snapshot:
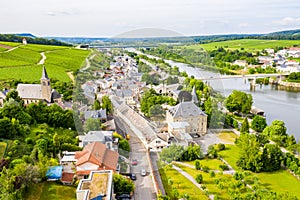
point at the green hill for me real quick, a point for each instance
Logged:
(21, 62)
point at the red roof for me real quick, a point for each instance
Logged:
(67, 177)
(98, 154)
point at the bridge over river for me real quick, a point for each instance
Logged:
(248, 76)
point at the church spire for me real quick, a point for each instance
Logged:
(194, 96)
(44, 74)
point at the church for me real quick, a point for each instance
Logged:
(33, 93)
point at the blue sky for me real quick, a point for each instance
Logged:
(93, 18)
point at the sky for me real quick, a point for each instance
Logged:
(109, 18)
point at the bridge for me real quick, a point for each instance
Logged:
(249, 76)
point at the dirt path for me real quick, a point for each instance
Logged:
(88, 63)
(42, 61)
(70, 74)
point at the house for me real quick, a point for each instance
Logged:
(33, 93)
(105, 137)
(96, 114)
(95, 156)
(99, 185)
(24, 41)
(270, 51)
(241, 63)
(157, 144)
(68, 163)
(294, 52)
(189, 112)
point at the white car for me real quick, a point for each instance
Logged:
(143, 172)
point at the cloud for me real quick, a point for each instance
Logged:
(243, 25)
(287, 21)
(62, 13)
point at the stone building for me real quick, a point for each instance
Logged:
(33, 93)
(190, 113)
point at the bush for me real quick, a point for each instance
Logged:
(212, 174)
(199, 178)
(197, 164)
(220, 146)
(28, 141)
(224, 167)
(205, 169)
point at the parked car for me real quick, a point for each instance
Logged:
(123, 197)
(133, 177)
(143, 172)
(134, 162)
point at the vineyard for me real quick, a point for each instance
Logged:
(22, 63)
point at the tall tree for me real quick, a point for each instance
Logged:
(239, 101)
(245, 126)
(107, 104)
(258, 123)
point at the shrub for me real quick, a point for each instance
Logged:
(224, 167)
(199, 178)
(205, 169)
(197, 164)
(212, 174)
(220, 146)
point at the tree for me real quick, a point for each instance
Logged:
(258, 123)
(107, 104)
(156, 111)
(250, 154)
(122, 184)
(271, 157)
(245, 126)
(97, 105)
(199, 178)
(92, 124)
(192, 152)
(13, 94)
(197, 164)
(239, 101)
(173, 153)
(277, 132)
(124, 145)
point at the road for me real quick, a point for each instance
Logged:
(144, 188)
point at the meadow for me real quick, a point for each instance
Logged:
(50, 190)
(251, 45)
(22, 62)
(280, 181)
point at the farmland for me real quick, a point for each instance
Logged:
(22, 62)
(250, 45)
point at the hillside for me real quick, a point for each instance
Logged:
(24, 62)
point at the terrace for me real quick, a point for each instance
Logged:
(99, 184)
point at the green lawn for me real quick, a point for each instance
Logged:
(211, 163)
(281, 181)
(231, 155)
(50, 190)
(2, 148)
(210, 184)
(227, 136)
(248, 44)
(183, 185)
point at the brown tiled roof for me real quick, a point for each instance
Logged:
(98, 154)
(67, 177)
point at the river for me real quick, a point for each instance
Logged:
(277, 104)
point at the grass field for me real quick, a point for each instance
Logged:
(183, 185)
(209, 183)
(2, 148)
(21, 63)
(50, 190)
(227, 136)
(210, 163)
(281, 181)
(251, 45)
(12, 44)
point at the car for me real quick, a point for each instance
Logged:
(133, 177)
(143, 172)
(123, 197)
(134, 162)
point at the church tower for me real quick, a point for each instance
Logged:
(194, 96)
(45, 86)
